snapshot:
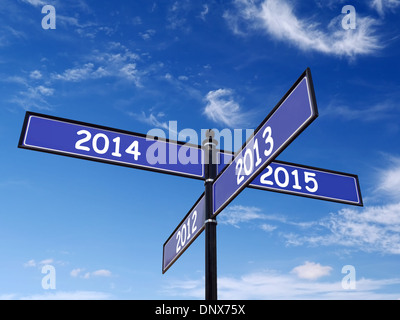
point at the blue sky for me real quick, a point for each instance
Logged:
(136, 65)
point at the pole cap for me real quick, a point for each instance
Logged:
(209, 141)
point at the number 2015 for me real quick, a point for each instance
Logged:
(280, 176)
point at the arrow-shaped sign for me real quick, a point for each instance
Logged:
(296, 110)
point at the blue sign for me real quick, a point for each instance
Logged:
(87, 141)
(305, 181)
(186, 232)
(287, 120)
(309, 182)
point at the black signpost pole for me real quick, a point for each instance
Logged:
(210, 167)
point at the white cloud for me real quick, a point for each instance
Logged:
(30, 263)
(371, 229)
(381, 6)
(118, 62)
(204, 13)
(234, 215)
(75, 272)
(389, 179)
(269, 285)
(222, 108)
(68, 295)
(237, 214)
(374, 112)
(35, 3)
(267, 227)
(130, 72)
(36, 74)
(33, 97)
(177, 16)
(311, 271)
(101, 273)
(149, 33)
(77, 74)
(98, 273)
(46, 261)
(45, 91)
(278, 19)
(151, 119)
(7, 296)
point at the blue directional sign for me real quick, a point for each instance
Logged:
(187, 231)
(305, 181)
(309, 182)
(87, 141)
(296, 110)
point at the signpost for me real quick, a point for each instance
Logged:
(296, 110)
(252, 166)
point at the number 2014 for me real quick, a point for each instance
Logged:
(132, 149)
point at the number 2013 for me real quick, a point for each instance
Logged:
(246, 165)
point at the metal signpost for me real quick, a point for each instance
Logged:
(252, 166)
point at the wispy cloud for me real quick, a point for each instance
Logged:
(79, 272)
(36, 89)
(374, 228)
(382, 6)
(374, 112)
(238, 215)
(279, 20)
(389, 178)
(35, 3)
(33, 95)
(33, 263)
(205, 11)
(66, 295)
(222, 108)
(270, 284)
(177, 16)
(117, 62)
(152, 119)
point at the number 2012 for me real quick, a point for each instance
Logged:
(132, 149)
(186, 231)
